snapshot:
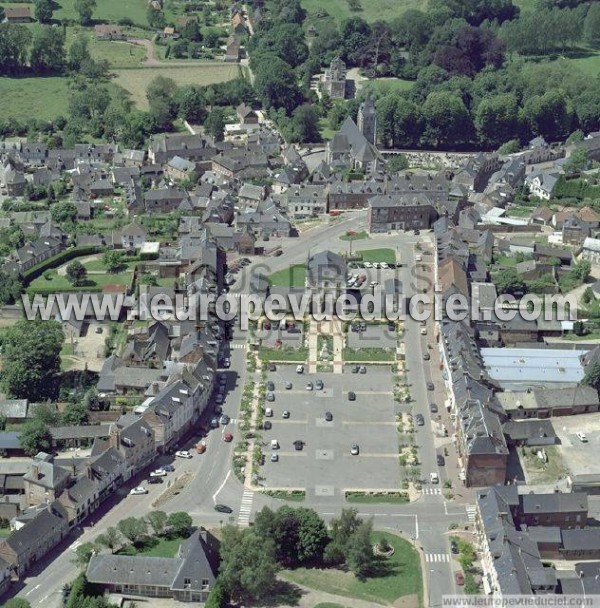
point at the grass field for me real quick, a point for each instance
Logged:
(107, 10)
(59, 283)
(44, 98)
(372, 10)
(294, 276)
(377, 255)
(399, 576)
(137, 80)
(386, 86)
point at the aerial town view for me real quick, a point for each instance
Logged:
(299, 303)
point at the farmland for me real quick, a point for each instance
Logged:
(46, 98)
(372, 10)
(135, 81)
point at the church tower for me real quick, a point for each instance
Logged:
(367, 120)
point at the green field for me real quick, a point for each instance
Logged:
(42, 98)
(372, 10)
(58, 283)
(377, 255)
(136, 80)
(108, 10)
(386, 86)
(294, 276)
(399, 576)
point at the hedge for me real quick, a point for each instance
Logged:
(57, 260)
(46, 291)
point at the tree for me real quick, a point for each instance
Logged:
(180, 523)
(112, 261)
(306, 124)
(509, 282)
(76, 272)
(217, 598)
(549, 115)
(155, 18)
(10, 288)
(312, 536)
(157, 521)
(83, 554)
(592, 375)
(91, 400)
(578, 161)
(359, 550)
(398, 162)
(78, 53)
(275, 82)
(160, 96)
(75, 414)
(47, 50)
(17, 602)
(342, 529)
(63, 212)
(35, 437)
(190, 102)
(111, 539)
(85, 10)
(132, 528)
(591, 25)
(214, 125)
(582, 270)
(248, 566)
(14, 48)
(447, 119)
(497, 119)
(43, 10)
(31, 359)
(191, 31)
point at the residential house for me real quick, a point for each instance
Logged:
(575, 231)
(187, 577)
(133, 438)
(250, 196)
(400, 212)
(36, 252)
(15, 410)
(545, 253)
(246, 115)
(267, 220)
(164, 200)
(477, 170)
(179, 168)
(326, 270)
(45, 480)
(305, 200)
(18, 14)
(238, 25)
(542, 183)
(353, 195)
(191, 147)
(556, 509)
(232, 49)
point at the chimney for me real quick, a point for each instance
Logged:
(35, 471)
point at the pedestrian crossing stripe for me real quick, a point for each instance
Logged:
(432, 491)
(436, 557)
(471, 512)
(238, 346)
(246, 508)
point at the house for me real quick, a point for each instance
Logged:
(132, 236)
(305, 200)
(36, 252)
(251, 196)
(106, 31)
(19, 14)
(191, 147)
(246, 115)
(164, 200)
(477, 170)
(45, 480)
(575, 231)
(334, 80)
(232, 49)
(542, 215)
(15, 410)
(542, 183)
(545, 253)
(556, 509)
(238, 25)
(266, 221)
(169, 32)
(326, 269)
(187, 577)
(29, 544)
(387, 212)
(180, 168)
(353, 195)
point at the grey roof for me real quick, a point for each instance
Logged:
(9, 440)
(133, 570)
(50, 475)
(14, 408)
(556, 502)
(80, 432)
(584, 539)
(529, 429)
(544, 534)
(40, 526)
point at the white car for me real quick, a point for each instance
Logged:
(376, 265)
(383, 265)
(434, 478)
(582, 437)
(368, 265)
(158, 473)
(183, 454)
(354, 450)
(300, 369)
(137, 491)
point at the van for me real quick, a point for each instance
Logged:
(269, 412)
(274, 444)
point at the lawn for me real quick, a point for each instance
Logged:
(328, 605)
(400, 498)
(386, 86)
(543, 472)
(294, 276)
(375, 355)
(294, 355)
(57, 283)
(118, 54)
(372, 10)
(377, 255)
(325, 130)
(166, 547)
(46, 98)
(107, 10)
(136, 80)
(400, 576)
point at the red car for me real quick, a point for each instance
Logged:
(227, 437)
(459, 577)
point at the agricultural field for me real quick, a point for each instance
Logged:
(372, 10)
(46, 97)
(135, 81)
(107, 11)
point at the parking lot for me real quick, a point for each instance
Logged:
(579, 457)
(325, 465)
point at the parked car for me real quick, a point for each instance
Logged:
(459, 577)
(169, 468)
(354, 450)
(226, 362)
(441, 461)
(225, 419)
(267, 426)
(272, 367)
(426, 356)
(183, 454)
(288, 386)
(355, 369)
(419, 420)
(433, 408)
(362, 369)
(137, 491)
(309, 386)
(227, 437)
(319, 385)
(274, 457)
(270, 385)
(328, 416)
(270, 397)
(299, 369)
(430, 386)
(351, 396)
(434, 478)
(220, 399)
(214, 423)
(153, 480)
(158, 473)
(298, 444)
(201, 447)
(223, 509)
(218, 409)
(454, 547)
(285, 414)
(582, 437)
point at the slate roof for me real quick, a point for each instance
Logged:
(557, 502)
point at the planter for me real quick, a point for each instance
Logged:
(377, 551)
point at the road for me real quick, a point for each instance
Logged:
(426, 520)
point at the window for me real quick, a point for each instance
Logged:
(187, 582)
(205, 583)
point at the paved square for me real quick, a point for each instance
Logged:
(325, 465)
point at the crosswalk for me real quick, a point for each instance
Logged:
(238, 345)
(437, 557)
(245, 508)
(436, 491)
(471, 512)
